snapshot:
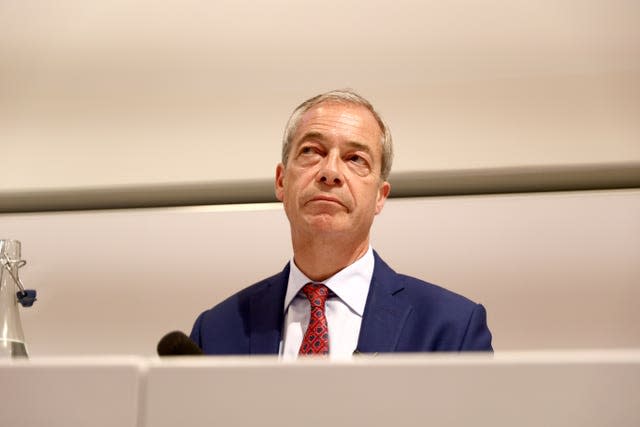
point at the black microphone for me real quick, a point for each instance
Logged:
(177, 343)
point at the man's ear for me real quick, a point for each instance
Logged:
(279, 184)
(383, 193)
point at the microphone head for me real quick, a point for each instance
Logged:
(177, 343)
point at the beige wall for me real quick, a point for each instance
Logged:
(107, 93)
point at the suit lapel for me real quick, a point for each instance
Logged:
(266, 315)
(386, 311)
(385, 314)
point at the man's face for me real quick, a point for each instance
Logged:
(331, 185)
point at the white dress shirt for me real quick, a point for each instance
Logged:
(344, 308)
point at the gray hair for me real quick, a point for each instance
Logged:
(345, 96)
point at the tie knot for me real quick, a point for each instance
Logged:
(317, 294)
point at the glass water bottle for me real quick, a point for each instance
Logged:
(12, 342)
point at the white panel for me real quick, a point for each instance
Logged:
(70, 393)
(581, 389)
(555, 270)
(575, 390)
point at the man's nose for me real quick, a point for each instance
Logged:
(330, 172)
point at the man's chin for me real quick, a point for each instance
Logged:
(327, 223)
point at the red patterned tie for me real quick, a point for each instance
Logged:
(316, 339)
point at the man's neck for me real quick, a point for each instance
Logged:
(319, 260)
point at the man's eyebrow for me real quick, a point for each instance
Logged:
(351, 144)
(311, 135)
(359, 146)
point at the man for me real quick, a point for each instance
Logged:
(337, 296)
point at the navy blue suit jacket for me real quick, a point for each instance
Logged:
(402, 314)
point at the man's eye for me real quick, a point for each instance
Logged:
(306, 150)
(359, 160)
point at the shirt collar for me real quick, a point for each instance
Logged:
(351, 284)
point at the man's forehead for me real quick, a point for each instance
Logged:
(331, 116)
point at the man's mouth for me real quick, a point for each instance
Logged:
(327, 199)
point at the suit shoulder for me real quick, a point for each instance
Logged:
(226, 327)
(426, 293)
(437, 318)
(455, 322)
(422, 289)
